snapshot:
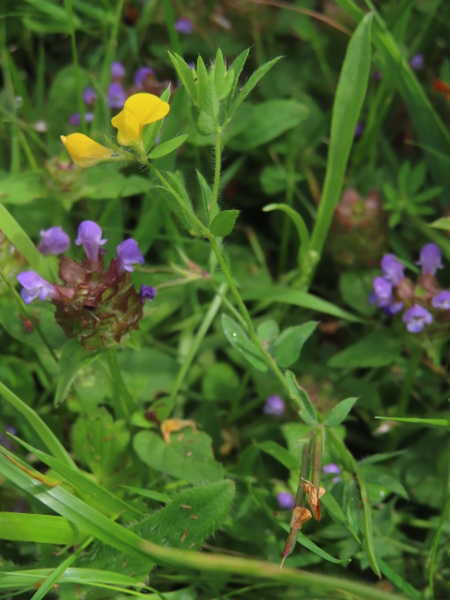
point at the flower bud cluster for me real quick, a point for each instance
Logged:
(423, 301)
(97, 305)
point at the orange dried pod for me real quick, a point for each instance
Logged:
(299, 516)
(314, 496)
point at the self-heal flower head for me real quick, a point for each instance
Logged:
(34, 286)
(128, 254)
(147, 292)
(141, 76)
(430, 259)
(116, 95)
(90, 237)
(392, 268)
(274, 406)
(184, 26)
(139, 110)
(117, 70)
(417, 62)
(54, 241)
(416, 318)
(89, 96)
(442, 300)
(286, 500)
(84, 151)
(382, 292)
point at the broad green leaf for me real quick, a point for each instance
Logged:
(253, 81)
(239, 340)
(41, 529)
(22, 188)
(223, 224)
(220, 382)
(167, 147)
(73, 358)
(290, 343)
(377, 349)
(282, 455)
(301, 398)
(338, 413)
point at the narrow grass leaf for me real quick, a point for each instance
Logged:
(41, 529)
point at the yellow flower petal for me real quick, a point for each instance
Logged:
(129, 129)
(139, 110)
(84, 151)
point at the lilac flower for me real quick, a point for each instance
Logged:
(442, 300)
(382, 292)
(417, 61)
(75, 119)
(34, 286)
(430, 259)
(117, 70)
(359, 130)
(128, 253)
(184, 26)
(416, 318)
(116, 95)
(141, 76)
(286, 500)
(332, 468)
(89, 96)
(274, 406)
(392, 268)
(54, 241)
(147, 293)
(90, 237)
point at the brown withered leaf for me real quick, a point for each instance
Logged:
(299, 516)
(171, 425)
(313, 497)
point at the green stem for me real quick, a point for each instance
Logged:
(76, 65)
(408, 380)
(125, 405)
(215, 196)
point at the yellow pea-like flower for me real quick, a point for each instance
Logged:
(139, 110)
(84, 151)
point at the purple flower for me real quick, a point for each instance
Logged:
(392, 268)
(377, 75)
(75, 119)
(416, 318)
(128, 253)
(382, 292)
(393, 308)
(117, 70)
(332, 469)
(34, 286)
(359, 130)
(286, 500)
(417, 61)
(274, 406)
(116, 95)
(141, 76)
(90, 237)
(54, 241)
(184, 26)
(147, 293)
(89, 96)
(430, 259)
(442, 300)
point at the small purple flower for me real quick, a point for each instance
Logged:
(416, 318)
(393, 308)
(430, 259)
(90, 237)
(147, 293)
(286, 500)
(117, 70)
(89, 96)
(274, 406)
(184, 26)
(34, 286)
(417, 62)
(54, 241)
(377, 75)
(75, 119)
(442, 300)
(128, 253)
(359, 130)
(382, 292)
(116, 95)
(332, 469)
(141, 76)
(392, 268)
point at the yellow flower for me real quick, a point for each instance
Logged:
(139, 110)
(84, 151)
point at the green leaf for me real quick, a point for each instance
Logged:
(339, 412)
(202, 81)
(207, 120)
(399, 582)
(301, 398)
(239, 340)
(290, 343)
(188, 457)
(253, 81)
(378, 349)
(184, 73)
(223, 224)
(419, 421)
(22, 188)
(41, 529)
(167, 147)
(282, 455)
(206, 192)
(300, 225)
(73, 358)
(355, 290)
(442, 223)
(220, 382)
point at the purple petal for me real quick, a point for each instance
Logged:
(54, 241)
(90, 237)
(89, 96)
(116, 95)
(147, 293)
(141, 76)
(331, 468)
(416, 318)
(417, 62)
(128, 253)
(392, 268)
(430, 259)
(117, 70)
(274, 406)
(359, 130)
(34, 286)
(286, 500)
(442, 300)
(184, 26)
(382, 290)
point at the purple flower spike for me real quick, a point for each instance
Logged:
(75, 119)
(90, 237)
(116, 95)
(34, 286)
(141, 76)
(117, 70)
(89, 96)
(430, 259)
(184, 26)
(392, 268)
(147, 293)
(442, 300)
(416, 318)
(382, 292)
(54, 241)
(274, 406)
(286, 500)
(128, 253)
(417, 62)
